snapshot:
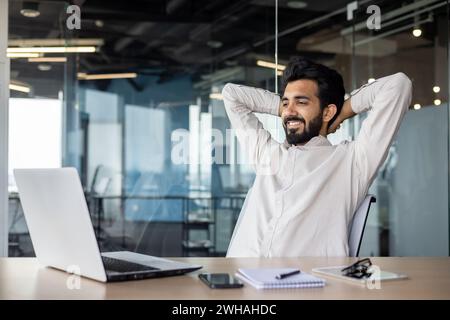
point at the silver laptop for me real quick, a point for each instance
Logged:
(63, 237)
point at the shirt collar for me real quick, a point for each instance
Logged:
(317, 141)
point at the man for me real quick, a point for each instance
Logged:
(306, 189)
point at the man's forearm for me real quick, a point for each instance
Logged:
(345, 113)
(347, 110)
(241, 103)
(364, 98)
(240, 98)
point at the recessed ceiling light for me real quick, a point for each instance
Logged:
(30, 9)
(417, 32)
(44, 67)
(437, 102)
(74, 49)
(22, 55)
(99, 23)
(48, 59)
(20, 88)
(436, 89)
(417, 106)
(216, 96)
(296, 4)
(371, 80)
(268, 64)
(84, 76)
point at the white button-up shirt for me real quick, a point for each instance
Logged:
(304, 197)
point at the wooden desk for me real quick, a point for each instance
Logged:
(23, 278)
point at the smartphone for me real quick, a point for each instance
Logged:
(220, 280)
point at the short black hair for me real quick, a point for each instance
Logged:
(329, 81)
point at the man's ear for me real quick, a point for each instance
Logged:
(329, 112)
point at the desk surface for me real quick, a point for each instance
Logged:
(23, 278)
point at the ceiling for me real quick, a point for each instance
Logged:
(197, 37)
(167, 35)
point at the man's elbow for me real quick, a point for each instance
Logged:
(228, 92)
(403, 81)
(404, 85)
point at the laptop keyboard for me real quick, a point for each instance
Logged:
(118, 265)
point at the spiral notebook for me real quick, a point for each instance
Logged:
(265, 278)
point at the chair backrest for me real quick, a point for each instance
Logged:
(358, 224)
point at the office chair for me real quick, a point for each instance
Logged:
(358, 225)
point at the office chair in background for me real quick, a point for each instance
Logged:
(358, 225)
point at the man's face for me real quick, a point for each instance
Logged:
(301, 113)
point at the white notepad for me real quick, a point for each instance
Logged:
(265, 278)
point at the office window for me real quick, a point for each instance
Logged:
(37, 106)
(35, 127)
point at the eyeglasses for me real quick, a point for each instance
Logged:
(359, 270)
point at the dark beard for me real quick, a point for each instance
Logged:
(309, 132)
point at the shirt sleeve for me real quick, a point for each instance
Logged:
(386, 99)
(241, 103)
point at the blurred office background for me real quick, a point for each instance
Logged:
(145, 93)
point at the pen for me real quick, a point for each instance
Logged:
(287, 274)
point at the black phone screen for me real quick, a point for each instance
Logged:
(220, 280)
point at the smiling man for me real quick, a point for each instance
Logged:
(306, 189)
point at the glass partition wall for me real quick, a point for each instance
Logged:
(38, 100)
(133, 101)
(411, 214)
